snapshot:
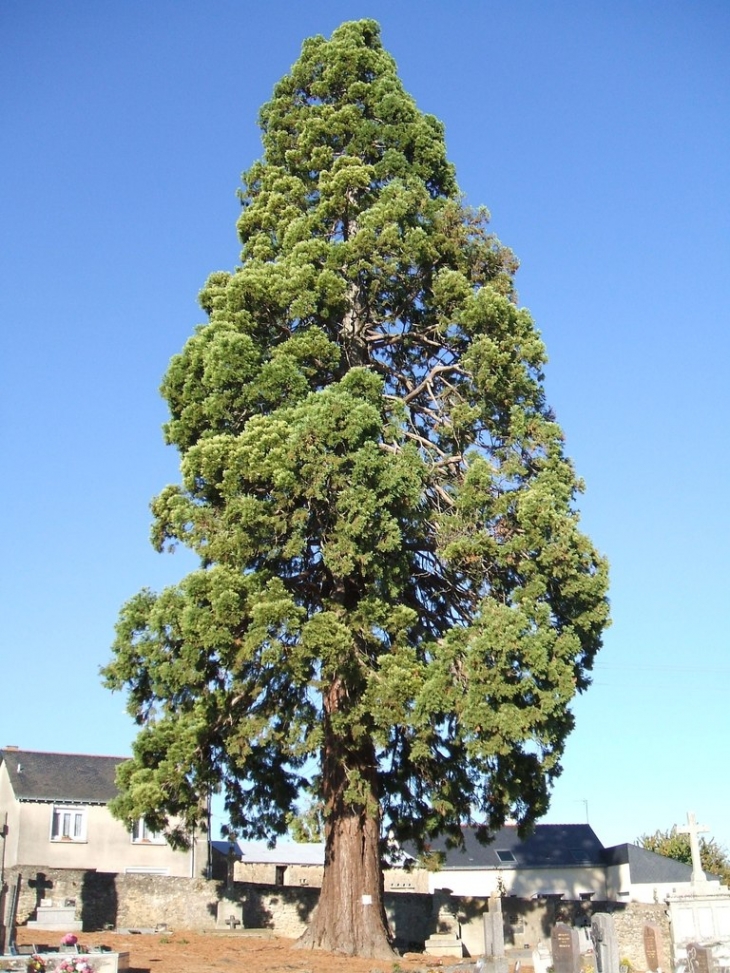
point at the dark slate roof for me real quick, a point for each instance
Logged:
(646, 867)
(76, 778)
(549, 846)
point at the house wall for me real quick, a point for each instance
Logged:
(618, 881)
(620, 887)
(9, 807)
(522, 882)
(571, 882)
(108, 845)
(406, 880)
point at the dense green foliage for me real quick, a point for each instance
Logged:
(392, 578)
(713, 857)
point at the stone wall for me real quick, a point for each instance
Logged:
(271, 873)
(530, 921)
(265, 873)
(109, 900)
(630, 924)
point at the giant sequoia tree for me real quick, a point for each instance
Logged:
(394, 605)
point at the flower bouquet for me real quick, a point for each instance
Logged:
(69, 939)
(74, 965)
(35, 964)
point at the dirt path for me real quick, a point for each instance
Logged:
(191, 952)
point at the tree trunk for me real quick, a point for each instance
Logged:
(350, 917)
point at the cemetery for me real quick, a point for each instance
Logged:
(555, 901)
(392, 605)
(685, 933)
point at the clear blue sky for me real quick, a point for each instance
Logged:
(598, 136)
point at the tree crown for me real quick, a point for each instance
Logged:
(393, 582)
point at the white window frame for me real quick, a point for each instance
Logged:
(69, 823)
(142, 834)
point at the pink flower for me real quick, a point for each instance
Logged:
(69, 939)
(74, 966)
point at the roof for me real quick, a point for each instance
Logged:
(549, 846)
(646, 867)
(284, 853)
(76, 778)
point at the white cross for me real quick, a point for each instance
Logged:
(693, 830)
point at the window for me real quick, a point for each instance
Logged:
(505, 856)
(68, 824)
(142, 834)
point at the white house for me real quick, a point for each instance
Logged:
(565, 860)
(556, 859)
(56, 814)
(634, 874)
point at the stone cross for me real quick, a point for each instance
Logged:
(605, 947)
(693, 830)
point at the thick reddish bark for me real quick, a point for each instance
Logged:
(350, 917)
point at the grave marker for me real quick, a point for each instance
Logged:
(445, 940)
(229, 914)
(605, 947)
(699, 959)
(693, 830)
(566, 951)
(653, 950)
(494, 928)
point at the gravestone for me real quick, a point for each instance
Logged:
(49, 916)
(605, 947)
(699, 918)
(699, 959)
(229, 914)
(542, 959)
(494, 928)
(446, 938)
(566, 948)
(12, 915)
(653, 948)
(495, 960)
(693, 829)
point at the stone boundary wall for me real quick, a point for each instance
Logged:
(630, 932)
(530, 921)
(107, 900)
